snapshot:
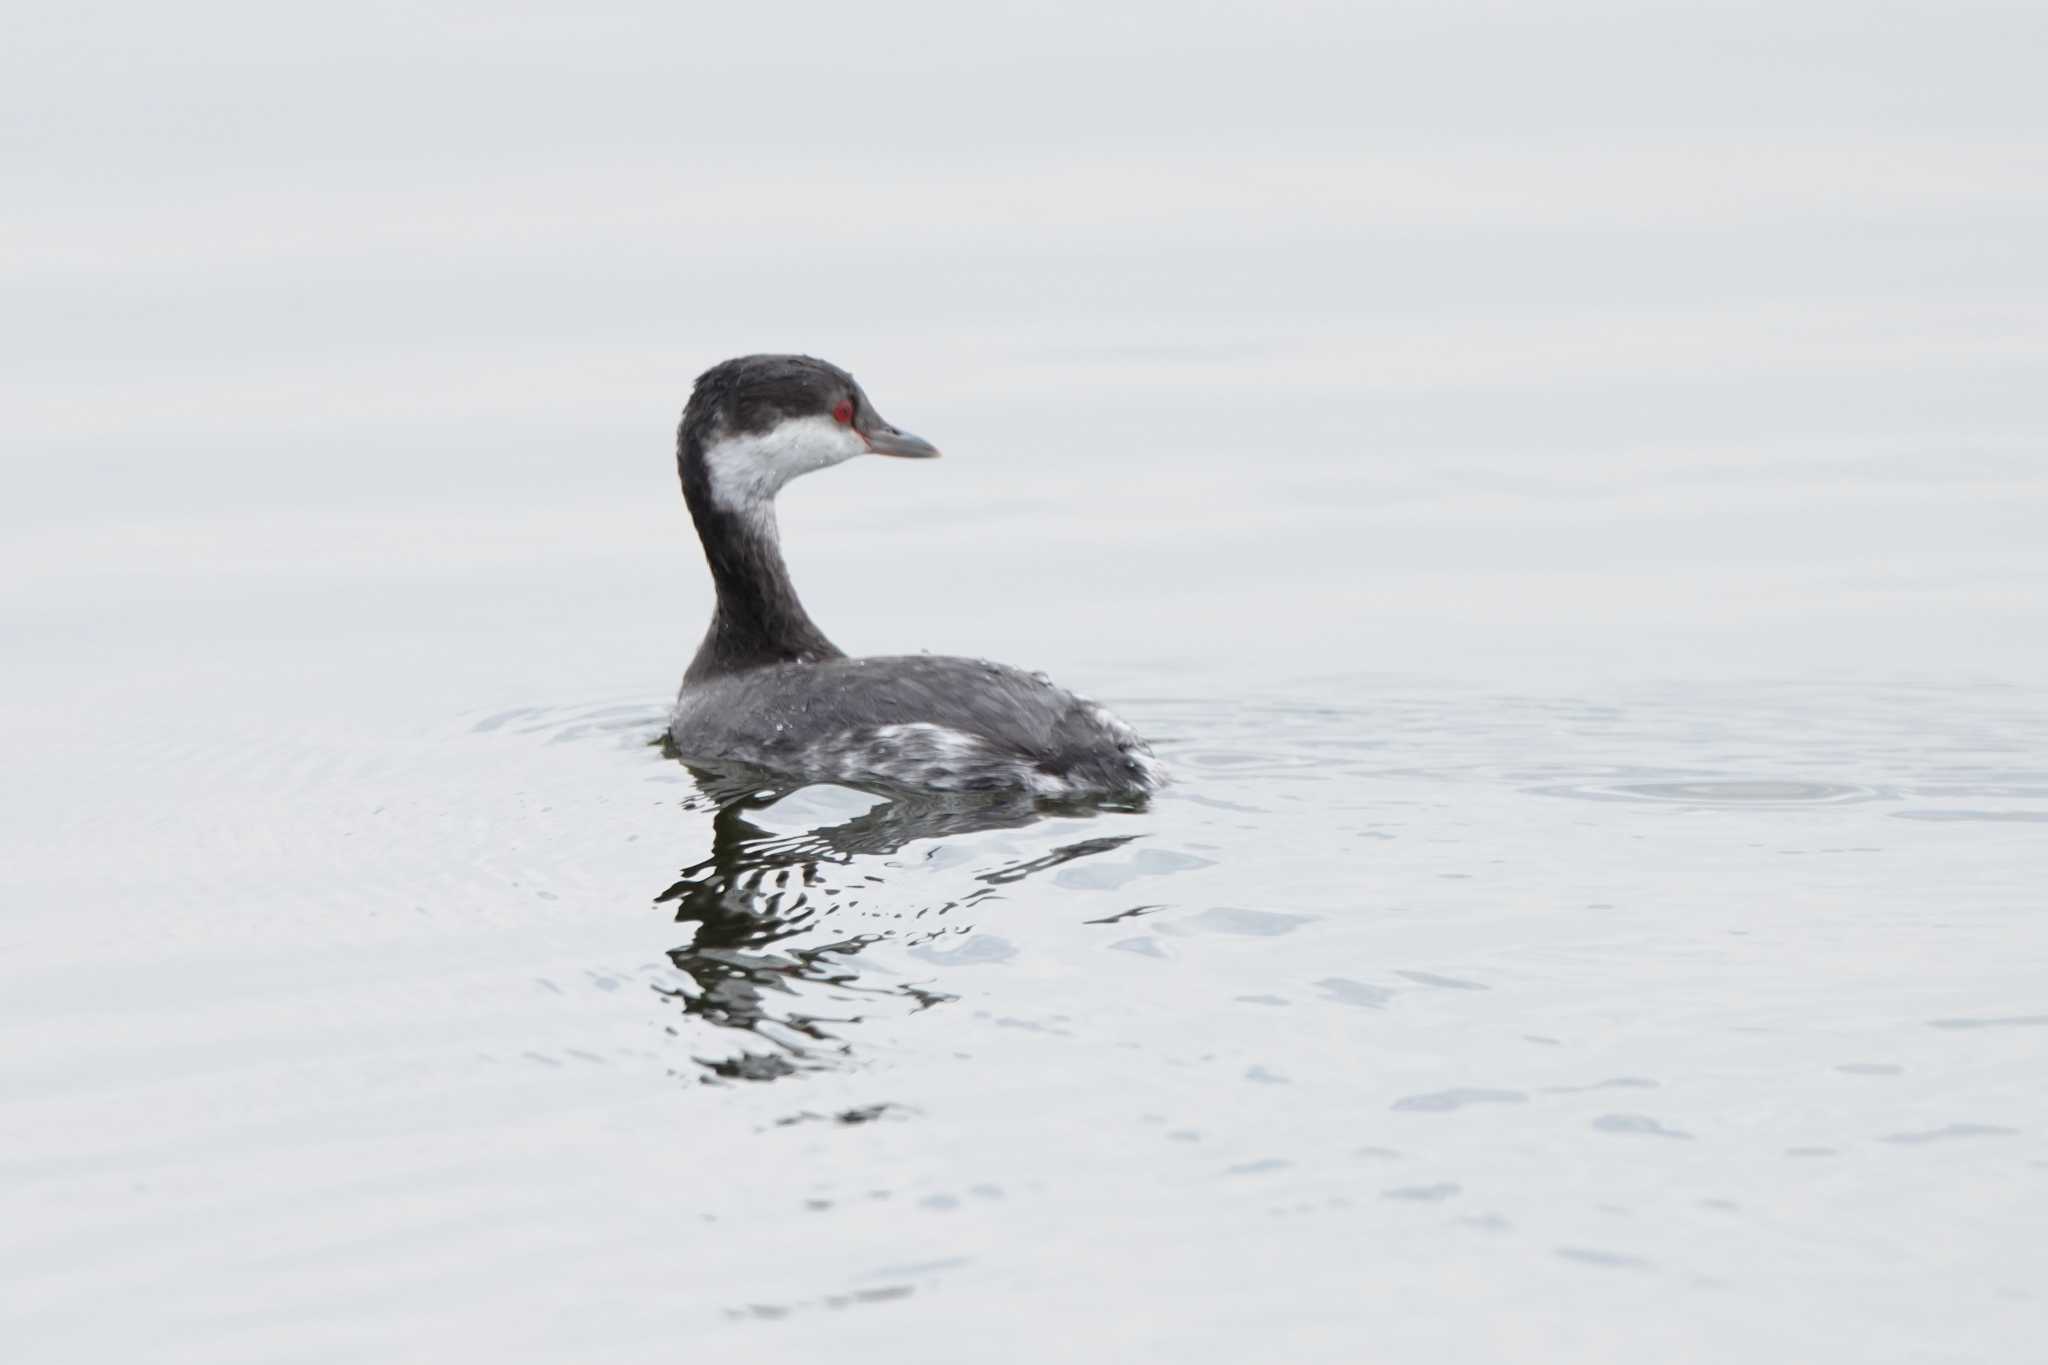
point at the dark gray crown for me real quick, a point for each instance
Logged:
(752, 393)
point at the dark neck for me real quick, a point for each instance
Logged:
(758, 619)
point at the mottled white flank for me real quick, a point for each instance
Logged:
(920, 754)
(988, 728)
(938, 757)
(748, 471)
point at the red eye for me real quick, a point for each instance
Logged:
(844, 412)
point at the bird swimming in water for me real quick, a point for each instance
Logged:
(768, 689)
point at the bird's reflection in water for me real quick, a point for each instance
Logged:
(758, 892)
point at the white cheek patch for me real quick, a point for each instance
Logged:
(747, 471)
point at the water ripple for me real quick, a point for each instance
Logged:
(1725, 791)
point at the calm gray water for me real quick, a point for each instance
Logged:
(1561, 485)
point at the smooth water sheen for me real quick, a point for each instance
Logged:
(1562, 488)
(1705, 1021)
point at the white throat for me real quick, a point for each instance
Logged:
(746, 472)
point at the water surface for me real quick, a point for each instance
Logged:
(1562, 488)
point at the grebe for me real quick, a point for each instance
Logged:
(768, 689)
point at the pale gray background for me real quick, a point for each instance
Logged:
(1574, 330)
(1454, 432)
